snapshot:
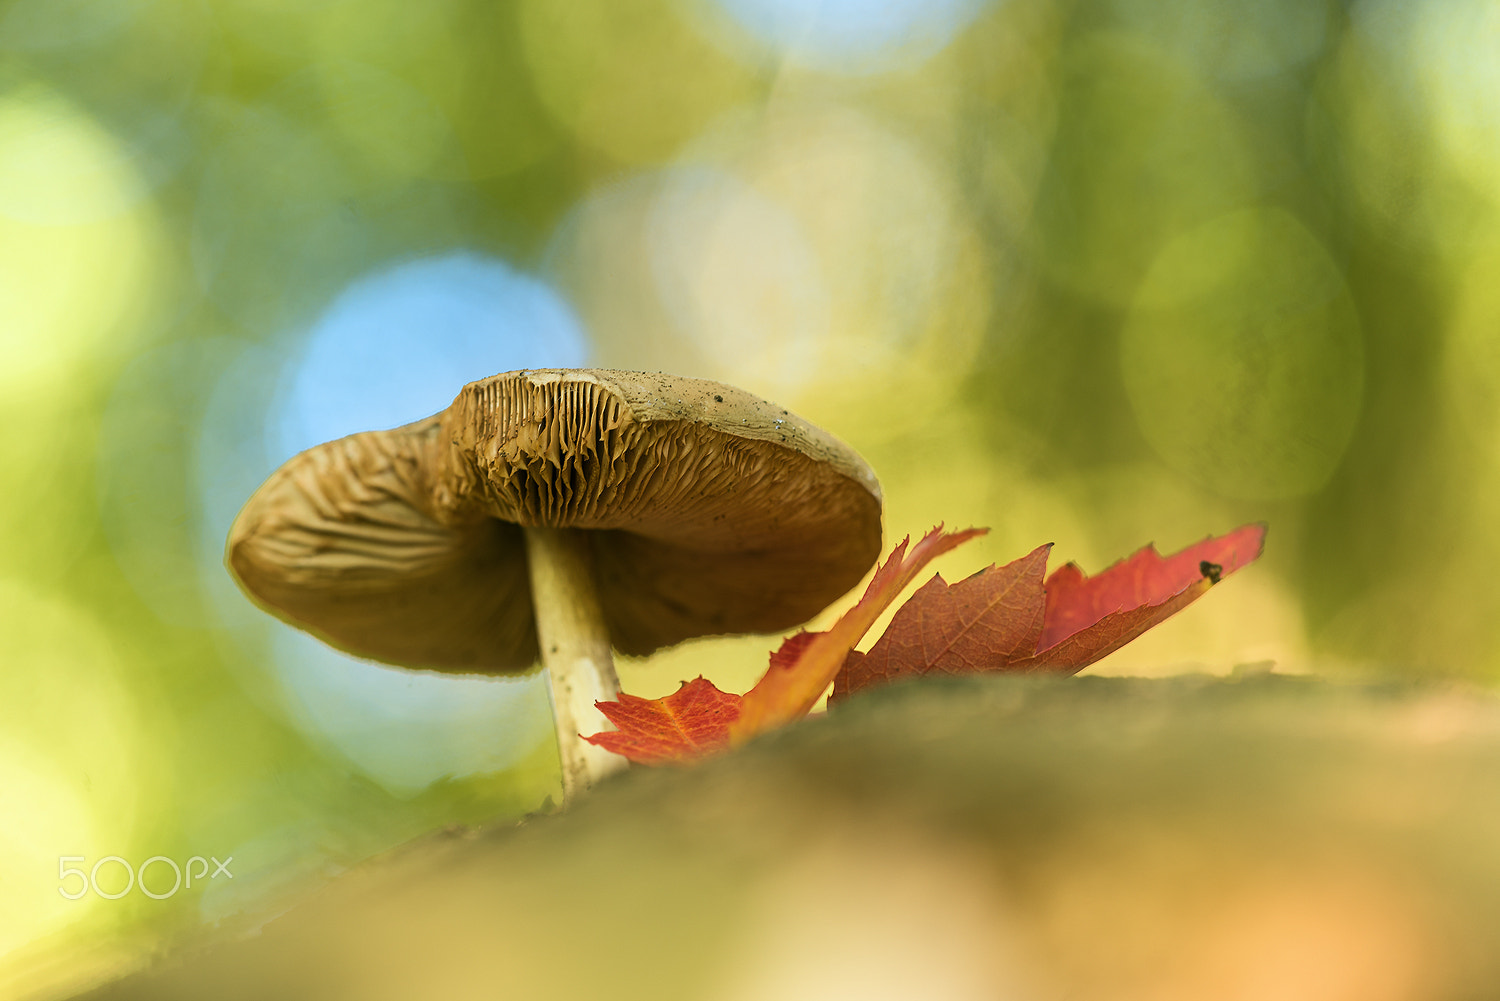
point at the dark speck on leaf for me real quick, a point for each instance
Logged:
(1210, 570)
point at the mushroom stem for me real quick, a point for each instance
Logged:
(574, 642)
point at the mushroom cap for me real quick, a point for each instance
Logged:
(707, 511)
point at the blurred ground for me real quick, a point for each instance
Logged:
(1100, 838)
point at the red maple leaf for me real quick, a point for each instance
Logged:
(982, 622)
(1007, 619)
(692, 721)
(1000, 619)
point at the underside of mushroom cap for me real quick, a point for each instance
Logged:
(340, 542)
(708, 511)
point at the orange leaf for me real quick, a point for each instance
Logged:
(691, 722)
(806, 663)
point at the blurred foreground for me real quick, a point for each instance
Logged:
(1015, 838)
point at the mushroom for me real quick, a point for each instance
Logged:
(559, 513)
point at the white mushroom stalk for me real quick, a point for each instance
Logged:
(574, 642)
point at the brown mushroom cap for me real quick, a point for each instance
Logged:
(709, 511)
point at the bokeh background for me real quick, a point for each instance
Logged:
(1095, 273)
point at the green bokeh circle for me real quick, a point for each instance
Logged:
(1242, 357)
